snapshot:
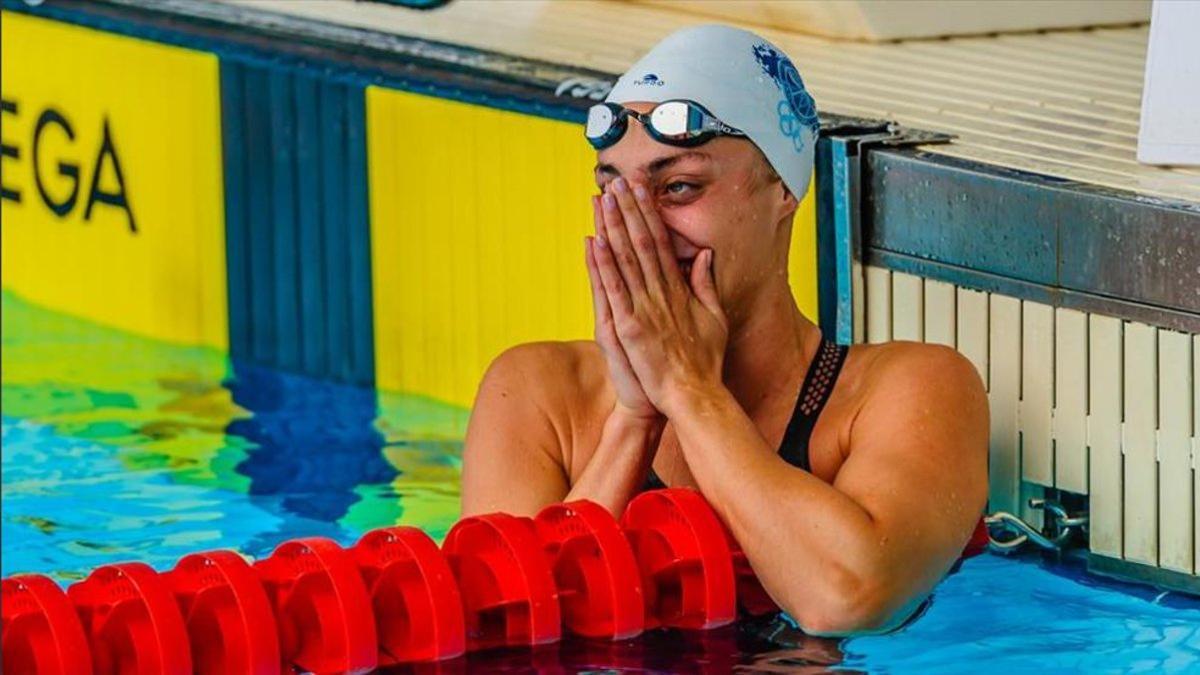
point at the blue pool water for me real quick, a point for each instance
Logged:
(119, 448)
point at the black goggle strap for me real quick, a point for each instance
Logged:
(714, 124)
(706, 122)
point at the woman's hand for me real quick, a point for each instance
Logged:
(632, 401)
(673, 330)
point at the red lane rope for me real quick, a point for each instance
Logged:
(395, 597)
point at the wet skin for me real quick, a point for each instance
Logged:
(698, 358)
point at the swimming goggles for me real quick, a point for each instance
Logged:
(676, 122)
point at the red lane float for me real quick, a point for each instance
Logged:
(229, 620)
(418, 609)
(394, 598)
(132, 622)
(978, 543)
(684, 557)
(321, 607)
(599, 584)
(508, 592)
(42, 633)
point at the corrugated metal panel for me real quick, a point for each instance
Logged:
(1105, 463)
(908, 307)
(1175, 531)
(971, 314)
(940, 319)
(1070, 400)
(1196, 447)
(879, 305)
(1137, 443)
(1062, 103)
(297, 233)
(1037, 393)
(1081, 402)
(1004, 395)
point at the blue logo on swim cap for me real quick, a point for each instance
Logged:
(797, 110)
(650, 79)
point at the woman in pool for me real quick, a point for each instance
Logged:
(852, 477)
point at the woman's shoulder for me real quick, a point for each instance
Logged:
(565, 383)
(899, 371)
(915, 363)
(565, 378)
(549, 364)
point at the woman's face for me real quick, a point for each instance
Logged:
(718, 195)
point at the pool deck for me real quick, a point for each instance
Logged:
(1062, 103)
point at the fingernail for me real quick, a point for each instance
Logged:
(610, 202)
(601, 242)
(620, 185)
(639, 191)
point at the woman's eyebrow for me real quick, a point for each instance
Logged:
(660, 164)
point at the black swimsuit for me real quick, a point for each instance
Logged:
(818, 384)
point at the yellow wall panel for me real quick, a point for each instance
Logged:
(802, 259)
(79, 106)
(477, 224)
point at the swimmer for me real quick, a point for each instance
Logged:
(852, 477)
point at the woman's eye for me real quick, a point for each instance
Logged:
(672, 187)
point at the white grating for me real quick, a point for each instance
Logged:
(1062, 103)
(1081, 402)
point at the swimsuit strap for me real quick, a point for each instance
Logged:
(818, 385)
(653, 482)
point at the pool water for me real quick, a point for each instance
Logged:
(117, 447)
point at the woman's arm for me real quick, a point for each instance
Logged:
(616, 470)
(512, 459)
(518, 443)
(859, 554)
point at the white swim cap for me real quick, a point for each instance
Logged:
(743, 79)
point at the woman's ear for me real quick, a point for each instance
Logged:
(775, 182)
(788, 197)
(788, 204)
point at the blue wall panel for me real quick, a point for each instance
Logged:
(314, 357)
(237, 243)
(362, 331)
(298, 240)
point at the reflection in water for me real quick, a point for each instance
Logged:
(312, 442)
(762, 645)
(120, 447)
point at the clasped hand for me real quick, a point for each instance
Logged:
(663, 335)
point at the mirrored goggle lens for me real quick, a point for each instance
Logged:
(677, 120)
(600, 120)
